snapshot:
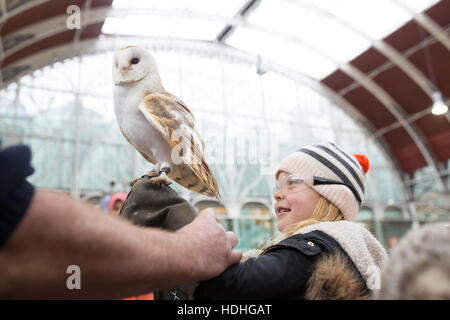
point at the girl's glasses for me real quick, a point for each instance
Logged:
(292, 183)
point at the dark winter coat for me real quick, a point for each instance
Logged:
(303, 266)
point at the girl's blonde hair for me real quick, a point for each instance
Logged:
(324, 211)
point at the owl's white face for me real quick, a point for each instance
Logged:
(132, 64)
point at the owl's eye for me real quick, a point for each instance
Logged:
(134, 61)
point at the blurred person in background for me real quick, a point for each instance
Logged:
(392, 242)
(418, 268)
(115, 203)
(104, 203)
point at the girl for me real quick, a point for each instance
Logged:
(320, 253)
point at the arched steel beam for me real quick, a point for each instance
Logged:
(407, 53)
(31, 34)
(401, 116)
(370, 85)
(22, 8)
(396, 110)
(248, 7)
(85, 11)
(386, 49)
(410, 119)
(428, 24)
(353, 72)
(197, 199)
(3, 10)
(261, 201)
(60, 53)
(432, 27)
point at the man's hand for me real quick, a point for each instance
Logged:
(203, 247)
(207, 246)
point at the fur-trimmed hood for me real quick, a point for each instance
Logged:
(364, 250)
(334, 278)
(348, 273)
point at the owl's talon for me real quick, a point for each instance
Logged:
(152, 174)
(162, 178)
(160, 181)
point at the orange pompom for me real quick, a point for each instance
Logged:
(363, 161)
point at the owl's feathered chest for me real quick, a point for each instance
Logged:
(132, 122)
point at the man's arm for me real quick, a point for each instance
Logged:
(116, 258)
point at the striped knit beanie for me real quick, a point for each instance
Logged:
(328, 161)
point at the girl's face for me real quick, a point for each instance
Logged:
(295, 205)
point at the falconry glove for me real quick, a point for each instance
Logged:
(155, 204)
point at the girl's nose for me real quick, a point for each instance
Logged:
(278, 195)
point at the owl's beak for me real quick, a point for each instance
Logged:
(121, 75)
(125, 70)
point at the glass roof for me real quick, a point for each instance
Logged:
(226, 8)
(303, 35)
(67, 116)
(236, 102)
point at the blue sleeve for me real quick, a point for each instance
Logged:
(15, 191)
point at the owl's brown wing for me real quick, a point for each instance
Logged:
(188, 115)
(175, 123)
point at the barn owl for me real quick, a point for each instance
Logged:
(158, 124)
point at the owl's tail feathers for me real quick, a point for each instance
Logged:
(217, 196)
(212, 194)
(197, 178)
(206, 176)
